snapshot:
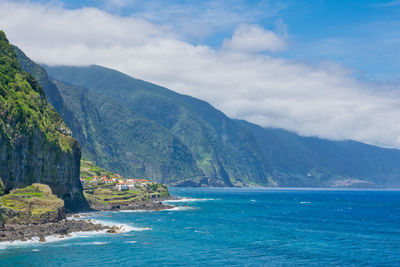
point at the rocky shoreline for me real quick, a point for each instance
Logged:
(62, 228)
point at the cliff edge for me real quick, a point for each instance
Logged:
(35, 144)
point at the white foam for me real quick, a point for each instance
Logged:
(123, 228)
(99, 243)
(185, 199)
(33, 241)
(179, 208)
(131, 242)
(201, 232)
(305, 202)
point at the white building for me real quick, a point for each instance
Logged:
(122, 186)
(131, 182)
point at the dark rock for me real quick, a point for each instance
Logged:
(42, 238)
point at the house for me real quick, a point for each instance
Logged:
(131, 186)
(122, 186)
(131, 181)
(140, 180)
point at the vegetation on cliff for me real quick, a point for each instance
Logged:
(23, 103)
(35, 143)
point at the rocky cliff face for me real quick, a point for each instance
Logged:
(35, 144)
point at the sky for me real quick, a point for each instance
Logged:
(321, 68)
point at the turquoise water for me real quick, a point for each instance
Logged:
(250, 227)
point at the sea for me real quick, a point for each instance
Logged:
(236, 227)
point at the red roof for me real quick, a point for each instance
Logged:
(140, 180)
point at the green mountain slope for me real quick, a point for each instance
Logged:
(224, 151)
(143, 130)
(310, 161)
(35, 144)
(115, 138)
(238, 152)
(133, 146)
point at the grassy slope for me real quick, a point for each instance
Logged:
(23, 104)
(34, 203)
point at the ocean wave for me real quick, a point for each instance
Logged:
(131, 242)
(124, 228)
(99, 243)
(202, 232)
(179, 208)
(185, 199)
(49, 239)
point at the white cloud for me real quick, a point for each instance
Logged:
(253, 38)
(324, 100)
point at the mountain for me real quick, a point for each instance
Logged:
(311, 161)
(146, 131)
(35, 144)
(225, 152)
(126, 143)
(112, 136)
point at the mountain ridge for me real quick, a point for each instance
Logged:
(226, 152)
(208, 133)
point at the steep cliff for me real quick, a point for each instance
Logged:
(35, 144)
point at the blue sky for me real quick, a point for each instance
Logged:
(362, 35)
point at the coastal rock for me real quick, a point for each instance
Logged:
(62, 228)
(41, 238)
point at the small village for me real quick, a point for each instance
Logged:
(93, 176)
(120, 183)
(104, 189)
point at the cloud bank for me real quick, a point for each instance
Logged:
(238, 78)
